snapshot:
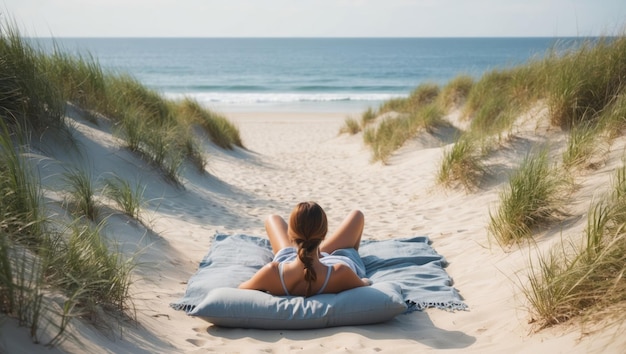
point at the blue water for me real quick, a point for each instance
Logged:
(302, 74)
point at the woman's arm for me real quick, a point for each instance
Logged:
(346, 279)
(265, 279)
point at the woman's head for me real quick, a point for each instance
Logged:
(307, 228)
(308, 224)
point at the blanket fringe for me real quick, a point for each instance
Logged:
(451, 306)
(182, 307)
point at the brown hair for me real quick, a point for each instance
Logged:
(308, 227)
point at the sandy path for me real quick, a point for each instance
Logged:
(295, 157)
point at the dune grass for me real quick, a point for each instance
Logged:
(84, 265)
(29, 99)
(496, 100)
(37, 262)
(79, 79)
(614, 116)
(156, 128)
(20, 194)
(82, 193)
(21, 226)
(351, 126)
(462, 163)
(419, 111)
(221, 131)
(21, 285)
(582, 86)
(585, 141)
(534, 197)
(588, 278)
(129, 199)
(584, 81)
(423, 94)
(456, 92)
(392, 132)
(368, 117)
(590, 138)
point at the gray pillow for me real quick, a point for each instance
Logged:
(231, 307)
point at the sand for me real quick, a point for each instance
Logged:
(292, 157)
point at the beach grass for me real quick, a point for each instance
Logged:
(20, 192)
(82, 193)
(582, 82)
(418, 112)
(491, 104)
(534, 197)
(78, 264)
(351, 126)
(393, 132)
(96, 276)
(423, 94)
(220, 130)
(455, 92)
(29, 99)
(462, 163)
(128, 198)
(614, 116)
(78, 78)
(156, 128)
(585, 141)
(21, 226)
(354, 126)
(584, 279)
(37, 262)
(368, 116)
(582, 86)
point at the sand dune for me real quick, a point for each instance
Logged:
(300, 156)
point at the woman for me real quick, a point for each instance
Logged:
(305, 261)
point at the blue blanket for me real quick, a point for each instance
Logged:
(410, 263)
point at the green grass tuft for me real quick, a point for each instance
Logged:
(85, 267)
(129, 199)
(82, 191)
(368, 117)
(392, 132)
(461, 164)
(221, 131)
(351, 126)
(534, 197)
(456, 91)
(585, 80)
(584, 279)
(29, 99)
(584, 143)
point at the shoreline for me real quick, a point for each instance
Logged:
(330, 107)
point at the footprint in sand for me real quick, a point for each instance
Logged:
(197, 342)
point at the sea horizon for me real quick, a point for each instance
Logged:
(308, 74)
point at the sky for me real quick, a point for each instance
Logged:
(316, 18)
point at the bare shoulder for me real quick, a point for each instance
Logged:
(340, 268)
(265, 279)
(343, 278)
(270, 266)
(268, 270)
(344, 273)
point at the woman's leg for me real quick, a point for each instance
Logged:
(347, 235)
(276, 229)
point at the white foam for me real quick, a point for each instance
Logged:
(250, 98)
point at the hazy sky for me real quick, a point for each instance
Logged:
(316, 18)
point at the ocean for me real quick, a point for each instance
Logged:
(302, 74)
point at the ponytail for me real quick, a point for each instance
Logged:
(305, 254)
(308, 226)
